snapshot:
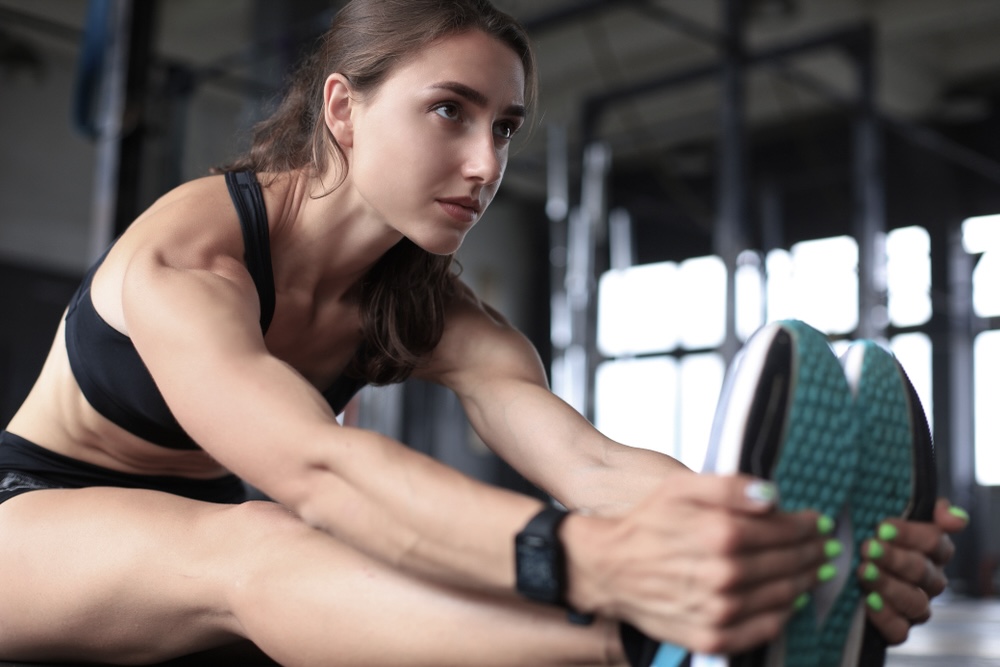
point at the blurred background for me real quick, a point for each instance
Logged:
(697, 168)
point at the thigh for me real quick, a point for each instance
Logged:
(119, 575)
(112, 574)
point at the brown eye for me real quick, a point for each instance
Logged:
(447, 111)
(505, 130)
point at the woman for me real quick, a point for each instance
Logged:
(221, 333)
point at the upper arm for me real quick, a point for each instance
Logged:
(196, 326)
(499, 378)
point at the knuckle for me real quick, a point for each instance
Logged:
(725, 575)
(723, 610)
(709, 641)
(724, 537)
(772, 626)
(899, 635)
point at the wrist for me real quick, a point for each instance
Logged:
(541, 563)
(585, 545)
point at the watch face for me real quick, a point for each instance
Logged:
(537, 574)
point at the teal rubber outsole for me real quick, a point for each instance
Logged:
(815, 470)
(885, 484)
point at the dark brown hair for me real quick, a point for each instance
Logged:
(404, 296)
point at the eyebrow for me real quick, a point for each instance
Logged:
(477, 98)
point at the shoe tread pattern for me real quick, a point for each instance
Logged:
(883, 485)
(816, 466)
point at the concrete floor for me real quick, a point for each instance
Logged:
(961, 633)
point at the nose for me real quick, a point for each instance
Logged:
(484, 161)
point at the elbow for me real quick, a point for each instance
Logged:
(311, 494)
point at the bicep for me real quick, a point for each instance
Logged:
(198, 332)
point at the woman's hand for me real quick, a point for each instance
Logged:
(904, 569)
(705, 562)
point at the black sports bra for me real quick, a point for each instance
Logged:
(110, 372)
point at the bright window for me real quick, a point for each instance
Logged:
(636, 402)
(987, 398)
(638, 310)
(701, 302)
(700, 384)
(913, 351)
(908, 276)
(817, 282)
(750, 312)
(982, 236)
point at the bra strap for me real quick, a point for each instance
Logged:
(249, 202)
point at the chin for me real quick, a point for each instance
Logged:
(441, 245)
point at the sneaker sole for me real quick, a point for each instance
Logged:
(895, 478)
(785, 415)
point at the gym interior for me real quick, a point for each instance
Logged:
(695, 168)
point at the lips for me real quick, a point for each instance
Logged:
(464, 202)
(463, 209)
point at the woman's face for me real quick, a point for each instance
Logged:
(429, 148)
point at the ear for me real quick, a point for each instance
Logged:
(337, 109)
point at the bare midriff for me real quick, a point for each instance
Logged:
(57, 416)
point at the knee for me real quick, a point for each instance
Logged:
(260, 523)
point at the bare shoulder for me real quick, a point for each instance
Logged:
(192, 227)
(479, 341)
(196, 215)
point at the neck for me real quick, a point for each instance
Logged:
(326, 240)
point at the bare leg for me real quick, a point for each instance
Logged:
(133, 577)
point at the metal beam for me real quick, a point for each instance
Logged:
(729, 234)
(868, 189)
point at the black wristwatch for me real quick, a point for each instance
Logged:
(541, 562)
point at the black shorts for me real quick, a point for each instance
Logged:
(24, 466)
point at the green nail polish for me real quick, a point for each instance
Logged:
(887, 532)
(833, 548)
(959, 512)
(870, 573)
(874, 601)
(825, 525)
(827, 572)
(801, 602)
(875, 549)
(762, 492)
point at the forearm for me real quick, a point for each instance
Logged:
(406, 509)
(551, 444)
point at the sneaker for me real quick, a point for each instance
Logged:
(895, 478)
(785, 415)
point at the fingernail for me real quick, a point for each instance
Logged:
(825, 525)
(870, 573)
(833, 548)
(827, 572)
(959, 512)
(765, 493)
(887, 532)
(874, 601)
(875, 550)
(801, 602)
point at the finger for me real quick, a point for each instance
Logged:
(785, 594)
(927, 538)
(805, 559)
(908, 601)
(948, 517)
(735, 492)
(907, 565)
(892, 626)
(712, 639)
(724, 533)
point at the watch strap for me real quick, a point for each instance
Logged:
(545, 525)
